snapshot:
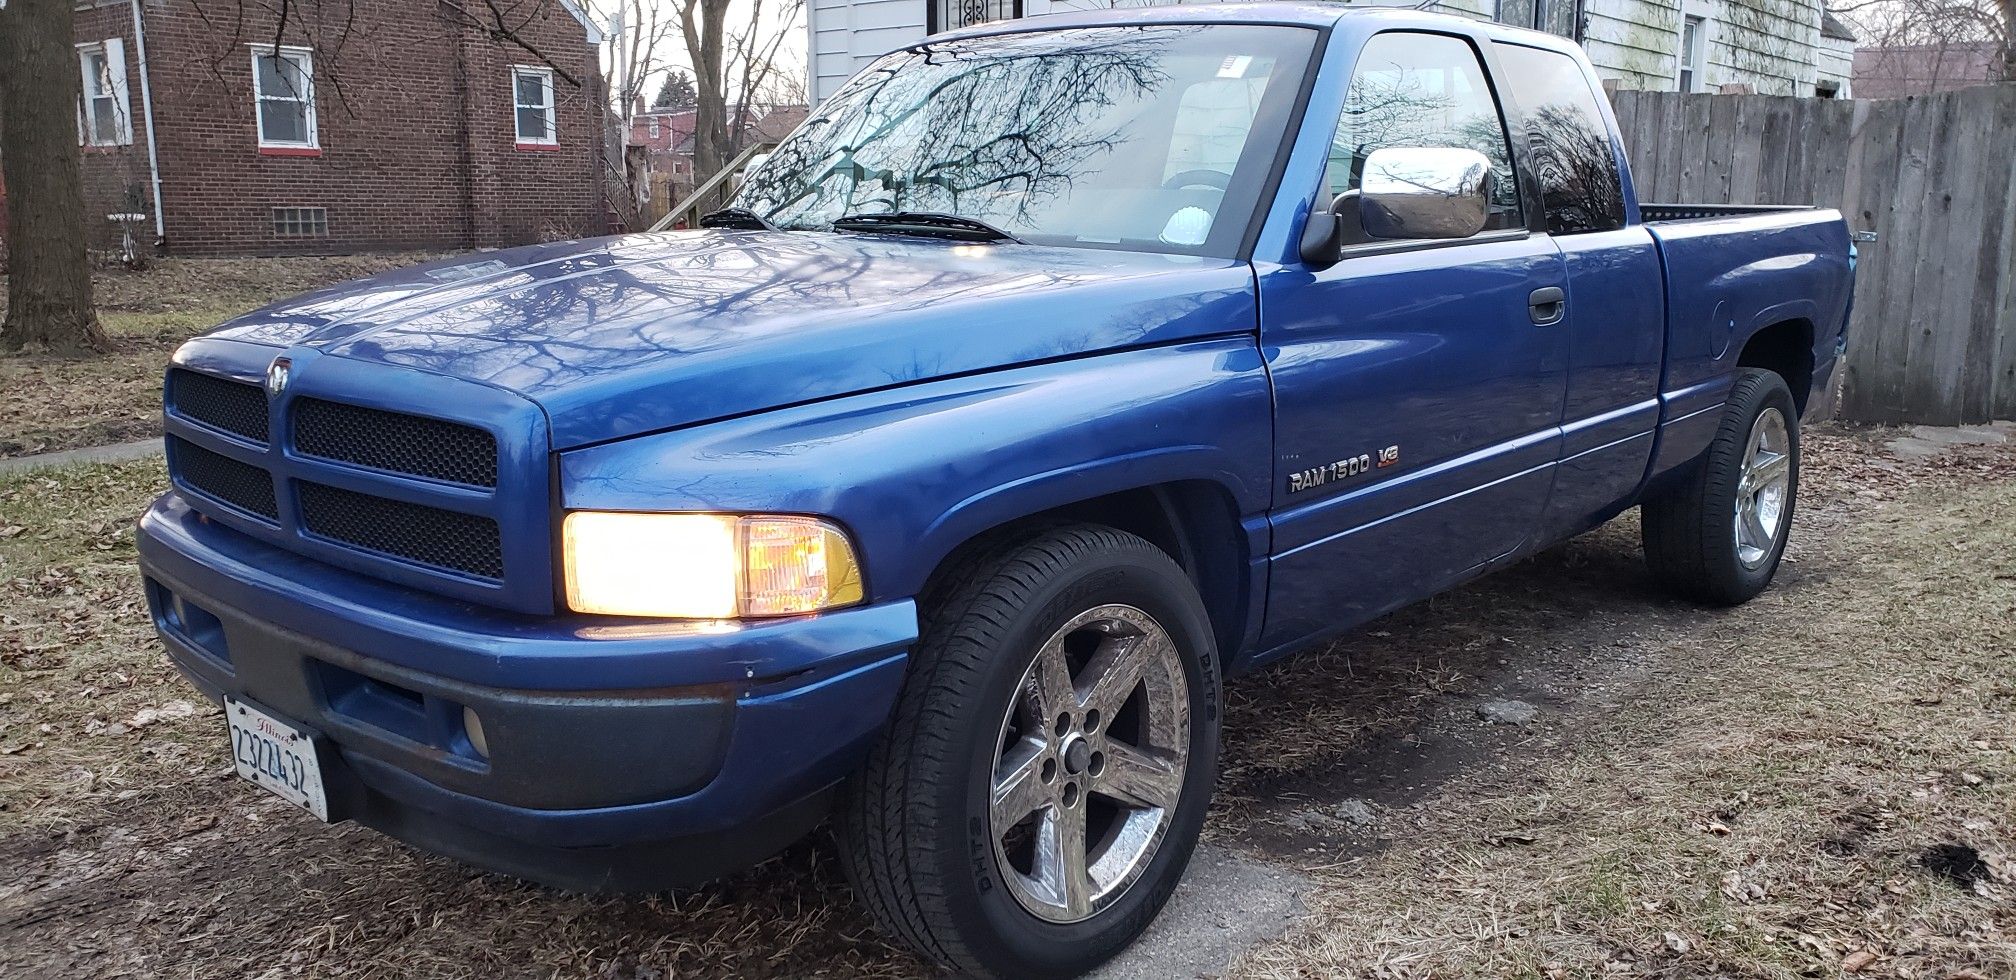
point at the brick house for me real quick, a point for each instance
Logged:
(665, 136)
(372, 125)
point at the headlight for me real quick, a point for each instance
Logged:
(706, 566)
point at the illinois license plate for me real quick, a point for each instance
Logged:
(277, 757)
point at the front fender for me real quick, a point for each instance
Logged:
(914, 472)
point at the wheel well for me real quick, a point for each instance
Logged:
(1194, 522)
(1786, 348)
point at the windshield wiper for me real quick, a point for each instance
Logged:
(932, 224)
(741, 219)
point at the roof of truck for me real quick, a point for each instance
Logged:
(1306, 14)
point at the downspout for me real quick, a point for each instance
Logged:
(147, 111)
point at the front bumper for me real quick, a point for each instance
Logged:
(621, 754)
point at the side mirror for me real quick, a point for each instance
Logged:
(1406, 193)
(1425, 192)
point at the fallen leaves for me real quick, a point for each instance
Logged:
(167, 712)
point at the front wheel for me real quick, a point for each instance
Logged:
(1043, 783)
(1717, 538)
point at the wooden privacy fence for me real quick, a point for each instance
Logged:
(1933, 337)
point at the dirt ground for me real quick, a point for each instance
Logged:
(54, 403)
(1820, 783)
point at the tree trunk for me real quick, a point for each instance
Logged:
(49, 304)
(704, 23)
(2008, 40)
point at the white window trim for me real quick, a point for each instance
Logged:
(114, 50)
(307, 56)
(1685, 61)
(552, 137)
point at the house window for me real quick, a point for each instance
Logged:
(1693, 52)
(283, 85)
(532, 91)
(654, 127)
(301, 222)
(946, 15)
(105, 120)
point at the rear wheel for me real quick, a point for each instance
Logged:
(1718, 537)
(1043, 783)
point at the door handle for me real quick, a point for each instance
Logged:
(1547, 306)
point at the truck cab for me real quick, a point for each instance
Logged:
(1050, 374)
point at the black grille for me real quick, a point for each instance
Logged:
(232, 406)
(395, 442)
(428, 535)
(241, 485)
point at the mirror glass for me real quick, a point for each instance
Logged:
(1425, 192)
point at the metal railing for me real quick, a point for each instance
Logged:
(691, 208)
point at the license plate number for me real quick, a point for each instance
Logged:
(277, 757)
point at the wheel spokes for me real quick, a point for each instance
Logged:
(1772, 469)
(1115, 671)
(1019, 789)
(1754, 531)
(1136, 778)
(1054, 691)
(1060, 865)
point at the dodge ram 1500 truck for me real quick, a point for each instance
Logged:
(1051, 372)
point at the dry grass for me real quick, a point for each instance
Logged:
(51, 403)
(1796, 788)
(1748, 793)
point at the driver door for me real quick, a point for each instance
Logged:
(1418, 392)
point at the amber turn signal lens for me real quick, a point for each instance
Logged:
(706, 566)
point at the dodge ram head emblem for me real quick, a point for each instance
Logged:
(276, 375)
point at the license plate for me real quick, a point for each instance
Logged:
(277, 757)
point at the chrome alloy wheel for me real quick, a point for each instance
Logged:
(1763, 493)
(1090, 763)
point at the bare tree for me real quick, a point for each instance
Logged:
(639, 37)
(1942, 27)
(49, 304)
(732, 67)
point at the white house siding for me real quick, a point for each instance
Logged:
(1835, 62)
(1636, 42)
(848, 34)
(1771, 45)
(1774, 46)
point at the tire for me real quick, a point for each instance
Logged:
(1696, 539)
(917, 825)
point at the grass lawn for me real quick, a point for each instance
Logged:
(50, 404)
(1820, 783)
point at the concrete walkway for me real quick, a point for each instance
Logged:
(1226, 904)
(118, 453)
(1928, 440)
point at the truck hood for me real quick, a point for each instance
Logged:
(617, 337)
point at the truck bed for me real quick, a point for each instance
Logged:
(1668, 213)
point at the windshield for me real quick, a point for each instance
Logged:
(1147, 137)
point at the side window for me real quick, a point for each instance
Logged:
(1569, 140)
(283, 88)
(532, 99)
(105, 99)
(1422, 90)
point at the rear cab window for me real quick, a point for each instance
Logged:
(1567, 139)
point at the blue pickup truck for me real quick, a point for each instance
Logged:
(1050, 373)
